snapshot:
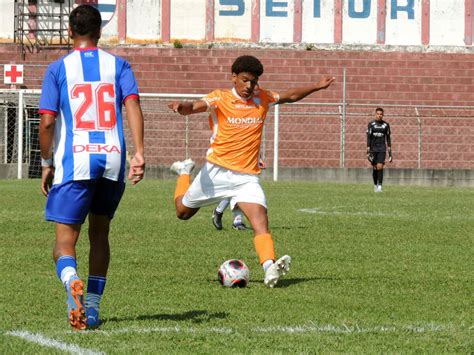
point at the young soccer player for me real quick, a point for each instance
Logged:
(231, 170)
(80, 107)
(378, 142)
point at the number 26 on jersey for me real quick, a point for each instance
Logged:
(95, 108)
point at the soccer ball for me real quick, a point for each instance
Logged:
(233, 273)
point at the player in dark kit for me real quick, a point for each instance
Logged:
(378, 142)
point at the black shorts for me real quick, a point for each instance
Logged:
(379, 157)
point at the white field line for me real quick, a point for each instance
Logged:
(176, 329)
(338, 213)
(349, 329)
(320, 211)
(51, 343)
(289, 329)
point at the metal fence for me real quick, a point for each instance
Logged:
(300, 135)
(19, 143)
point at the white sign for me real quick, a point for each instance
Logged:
(13, 74)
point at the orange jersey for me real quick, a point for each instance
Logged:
(237, 127)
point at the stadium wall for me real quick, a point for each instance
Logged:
(394, 52)
(379, 77)
(373, 78)
(370, 22)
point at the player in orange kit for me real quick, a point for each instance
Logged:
(232, 169)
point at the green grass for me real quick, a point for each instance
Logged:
(390, 272)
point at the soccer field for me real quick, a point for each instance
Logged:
(389, 272)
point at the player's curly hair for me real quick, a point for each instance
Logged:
(247, 64)
(85, 20)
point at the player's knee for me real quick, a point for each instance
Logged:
(183, 212)
(183, 215)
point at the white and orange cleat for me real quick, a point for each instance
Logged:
(279, 268)
(183, 167)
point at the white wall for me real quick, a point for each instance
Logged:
(188, 19)
(443, 30)
(144, 22)
(238, 27)
(404, 30)
(318, 29)
(277, 29)
(6, 19)
(357, 30)
(359, 26)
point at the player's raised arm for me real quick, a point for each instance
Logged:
(296, 94)
(188, 107)
(135, 122)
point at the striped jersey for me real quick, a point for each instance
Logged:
(237, 126)
(86, 90)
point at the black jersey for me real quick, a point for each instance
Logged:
(378, 133)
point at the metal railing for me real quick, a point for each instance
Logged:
(299, 135)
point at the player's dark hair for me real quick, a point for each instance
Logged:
(247, 64)
(379, 109)
(85, 20)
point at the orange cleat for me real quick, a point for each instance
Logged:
(75, 306)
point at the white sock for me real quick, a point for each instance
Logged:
(267, 264)
(66, 274)
(222, 205)
(238, 219)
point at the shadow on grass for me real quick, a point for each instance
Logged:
(290, 227)
(193, 316)
(290, 282)
(282, 283)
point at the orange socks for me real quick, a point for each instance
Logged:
(264, 247)
(182, 185)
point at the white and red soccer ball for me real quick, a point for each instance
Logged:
(233, 273)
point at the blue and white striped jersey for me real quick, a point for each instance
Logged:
(86, 90)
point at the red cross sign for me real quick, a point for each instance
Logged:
(13, 74)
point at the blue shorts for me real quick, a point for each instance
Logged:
(70, 202)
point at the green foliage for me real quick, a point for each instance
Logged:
(389, 272)
(177, 44)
